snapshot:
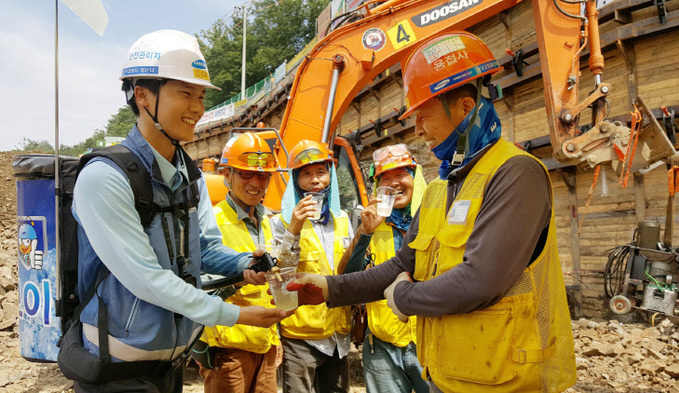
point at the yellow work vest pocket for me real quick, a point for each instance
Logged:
(308, 323)
(453, 239)
(484, 341)
(454, 235)
(309, 262)
(424, 252)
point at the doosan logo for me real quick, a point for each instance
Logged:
(444, 12)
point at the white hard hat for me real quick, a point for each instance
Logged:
(167, 54)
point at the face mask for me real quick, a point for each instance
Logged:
(486, 130)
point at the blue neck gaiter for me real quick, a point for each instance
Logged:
(325, 210)
(400, 218)
(485, 131)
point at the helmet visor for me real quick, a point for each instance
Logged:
(393, 150)
(256, 159)
(309, 156)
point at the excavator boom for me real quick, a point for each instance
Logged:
(351, 56)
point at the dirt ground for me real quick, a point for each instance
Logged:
(611, 356)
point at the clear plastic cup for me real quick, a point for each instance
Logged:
(387, 195)
(318, 197)
(273, 250)
(284, 299)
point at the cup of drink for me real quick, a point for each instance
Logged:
(387, 195)
(284, 299)
(318, 197)
(273, 250)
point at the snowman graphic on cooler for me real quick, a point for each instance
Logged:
(28, 244)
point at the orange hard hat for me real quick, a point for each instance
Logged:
(250, 152)
(308, 152)
(443, 63)
(392, 157)
(261, 124)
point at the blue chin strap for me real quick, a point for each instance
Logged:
(480, 128)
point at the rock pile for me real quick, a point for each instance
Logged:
(9, 298)
(616, 357)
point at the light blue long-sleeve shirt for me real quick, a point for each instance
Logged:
(114, 230)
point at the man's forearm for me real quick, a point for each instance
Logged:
(353, 259)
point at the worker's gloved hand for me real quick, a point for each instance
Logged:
(389, 295)
(311, 289)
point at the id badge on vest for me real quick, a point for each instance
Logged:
(458, 212)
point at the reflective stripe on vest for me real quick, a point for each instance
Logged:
(522, 343)
(318, 322)
(381, 320)
(250, 338)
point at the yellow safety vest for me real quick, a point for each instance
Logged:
(318, 322)
(381, 320)
(524, 343)
(250, 338)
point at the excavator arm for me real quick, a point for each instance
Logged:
(348, 58)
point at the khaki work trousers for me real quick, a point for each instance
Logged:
(241, 372)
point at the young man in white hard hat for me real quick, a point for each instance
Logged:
(479, 265)
(243, 358)
(389, 351)
(148, 302)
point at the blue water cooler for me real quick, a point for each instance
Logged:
(39, 326)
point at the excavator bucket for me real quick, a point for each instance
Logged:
(652, 145)
(627, 150)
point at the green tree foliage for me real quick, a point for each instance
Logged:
(81, 148)
(119, 124)
(28, 144)
(276, 31)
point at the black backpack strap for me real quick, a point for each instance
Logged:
(195, 195)
(102, 321)
(140, 180)
(101, 275)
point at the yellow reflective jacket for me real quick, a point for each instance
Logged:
(250, 338)
(381, 320)
(524, 343)
(318, 322)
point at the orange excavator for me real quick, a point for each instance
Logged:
(381, 34)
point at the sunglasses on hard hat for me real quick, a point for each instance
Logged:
(256, 159)
(392, 150)
(247, 175)
(308, 156)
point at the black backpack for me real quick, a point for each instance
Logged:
(75, 362)
(140, 182)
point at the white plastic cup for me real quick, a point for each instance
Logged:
(284, 299)
(318, 197)
(387, 196)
